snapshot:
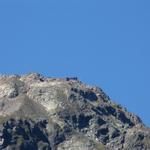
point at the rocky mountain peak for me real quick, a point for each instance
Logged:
(42, 113)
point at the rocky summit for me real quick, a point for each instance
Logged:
(40, 113)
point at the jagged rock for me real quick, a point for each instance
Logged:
(39, 113)
(24, 135)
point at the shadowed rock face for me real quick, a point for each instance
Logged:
(25, 134)
(39, 113)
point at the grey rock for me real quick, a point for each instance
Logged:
(44, 113)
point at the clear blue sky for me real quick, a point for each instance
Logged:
(104, 43)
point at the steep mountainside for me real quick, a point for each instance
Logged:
(39, 113)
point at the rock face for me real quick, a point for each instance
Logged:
(39, 113)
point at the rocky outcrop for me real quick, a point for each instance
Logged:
(24, 134)
(40, 113)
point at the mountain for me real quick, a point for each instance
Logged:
(40, 113)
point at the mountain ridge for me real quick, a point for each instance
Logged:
(67, 114)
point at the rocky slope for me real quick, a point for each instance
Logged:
(39, 113)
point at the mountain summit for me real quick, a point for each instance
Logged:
(40, 113)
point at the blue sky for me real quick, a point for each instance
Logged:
(104, 43)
